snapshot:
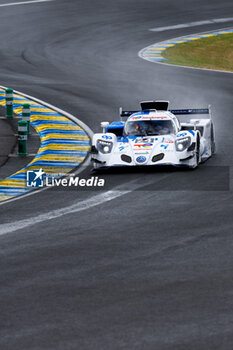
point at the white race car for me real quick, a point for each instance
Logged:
(154, 136)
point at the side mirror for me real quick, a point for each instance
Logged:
(104, 125)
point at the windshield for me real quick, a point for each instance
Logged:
(149, 127)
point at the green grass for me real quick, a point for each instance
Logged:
(214, 53)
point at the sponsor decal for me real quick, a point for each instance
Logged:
(164, 146)
(144, 139)
(106, 137)
(143, 146)
(122, 139)
(136, 117)
(122, 147)
(153, 117)
(182, 134)
(141, 159)
(147, 117)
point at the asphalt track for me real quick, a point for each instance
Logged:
(152, 268)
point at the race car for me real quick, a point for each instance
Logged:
(154, 136)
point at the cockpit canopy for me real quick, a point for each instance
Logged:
(149, 127)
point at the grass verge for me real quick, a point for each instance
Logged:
(213, 53)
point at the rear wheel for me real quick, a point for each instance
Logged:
(197, 150)
(212, 140)
(197, 153)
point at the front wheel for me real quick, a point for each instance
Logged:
(197, 156)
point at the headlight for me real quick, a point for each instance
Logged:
(104, 146)
(182, 144)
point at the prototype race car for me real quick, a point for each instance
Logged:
(154, 136)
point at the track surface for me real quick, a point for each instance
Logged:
(150, 269)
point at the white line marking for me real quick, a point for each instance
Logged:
(196, 68)
(77, 207)
(24, 2)
(89, 203)
(192, 24)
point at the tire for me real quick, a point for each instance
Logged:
(197, 153)
(213, 146)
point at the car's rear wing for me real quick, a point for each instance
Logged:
(191, 111)
(126, 114)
